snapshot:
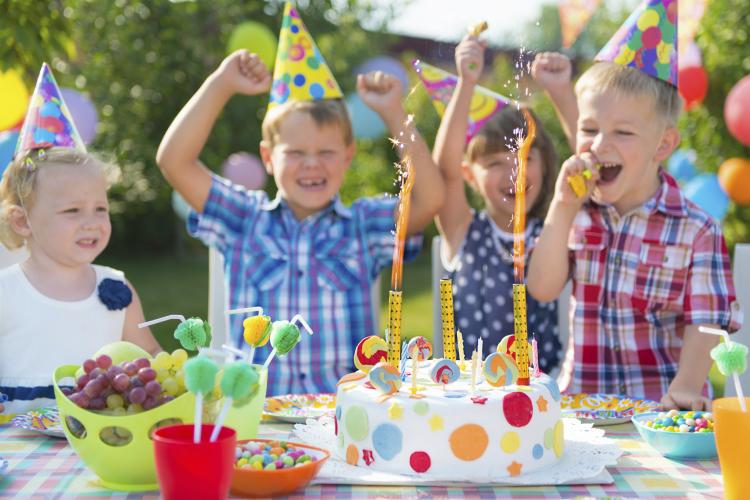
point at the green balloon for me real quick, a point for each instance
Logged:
(255, 37)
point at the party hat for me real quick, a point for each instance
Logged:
(647, 41)
(441, 84)
(48, 122)
(300, 72)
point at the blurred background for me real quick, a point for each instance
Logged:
(128, 66)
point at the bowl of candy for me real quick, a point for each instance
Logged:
(266, 468)
(682, 435)
(110, 413)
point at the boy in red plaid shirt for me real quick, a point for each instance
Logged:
(648, 266)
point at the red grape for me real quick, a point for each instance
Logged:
(92, 389)
(137, 395)
(121, 382)
(104, 361)
(146, 374)
(80, 399)
(89, 365)
(97, 404)
(153, 388)
(142, 363)
(82, 381)
(130, 368)
(149, 403)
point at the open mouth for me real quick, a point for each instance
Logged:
(312, 183)
(511, 191)
(608, 172)
(88, 242)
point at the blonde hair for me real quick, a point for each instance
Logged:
(495, 136)
(606, 75)
(20, 180)
(323, 112)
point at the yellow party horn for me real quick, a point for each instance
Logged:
(578, 182)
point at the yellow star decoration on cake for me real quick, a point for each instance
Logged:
(395, 411)
(514, 469)
(541, 403)
(436, 422)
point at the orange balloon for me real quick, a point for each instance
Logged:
(734, 178)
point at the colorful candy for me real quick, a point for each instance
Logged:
(423, 346)
(682, 421)
(500, 370)
(257, 330)
(385, 377)
(445, 371)
(508, 346)
(273, 455)
(370, 351)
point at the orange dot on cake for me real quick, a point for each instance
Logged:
(469, 442)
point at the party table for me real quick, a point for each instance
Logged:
(47, 467)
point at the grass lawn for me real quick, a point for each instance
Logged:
(170, 285)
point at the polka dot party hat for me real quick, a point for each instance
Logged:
(441, 84)
(647, 41)
(48, 122)
(300, 72)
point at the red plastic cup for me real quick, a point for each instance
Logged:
(187, 470)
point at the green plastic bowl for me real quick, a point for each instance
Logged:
(130, 467)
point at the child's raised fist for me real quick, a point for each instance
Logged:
(244, 73)
(552, 70)
(380, 91)
(574, 167)
(470, 58)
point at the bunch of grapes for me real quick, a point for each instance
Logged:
(132, 386)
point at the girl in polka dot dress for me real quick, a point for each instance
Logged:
(477, 245)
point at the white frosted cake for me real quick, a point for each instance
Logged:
(451, 432)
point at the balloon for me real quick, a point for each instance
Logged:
(737, 110)
(693, 85)
(386, 65)
(83, 113)
(14, 99)
(734, 177)
(255, 37)
(682, 165)
(180, 206)
(8, 141)
(245, 169)
(706, 192)
(365, 122)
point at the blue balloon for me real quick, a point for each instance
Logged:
(8, 141)
(682, 165)
(706, 192)
(365, 122)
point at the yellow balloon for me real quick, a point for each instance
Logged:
(14, 99)
(255, 37)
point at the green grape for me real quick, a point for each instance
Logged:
(179, 356)
(162, 375)
(170, 386)
(162, 361)
(115, 401)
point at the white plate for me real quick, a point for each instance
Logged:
(43, 420)
(297, 408)
(604, 409)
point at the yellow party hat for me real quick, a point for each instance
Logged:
(300, 73)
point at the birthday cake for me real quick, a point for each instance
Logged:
(444, 424)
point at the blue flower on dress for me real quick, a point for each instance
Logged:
(115, 294)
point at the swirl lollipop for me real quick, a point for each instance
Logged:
(445, 371)
(385, 377)
(370, 351)
(424, 348)
(500, 370)
(200, 373)
(284, 336)
(239, 381)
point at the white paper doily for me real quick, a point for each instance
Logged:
(584, 461)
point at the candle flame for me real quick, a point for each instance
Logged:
(407, 183)
(519, 214)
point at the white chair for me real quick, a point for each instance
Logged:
(438, 271)
(217, 300)
(10, 257)
(741, 274)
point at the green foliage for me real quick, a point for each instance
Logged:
(724, 39)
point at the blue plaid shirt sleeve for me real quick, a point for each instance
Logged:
(228, 209)
(379, 216)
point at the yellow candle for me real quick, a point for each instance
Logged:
(446, 314)
(414, 368)
(519, 323)
(474, 361)
(460, 340)
(394, 328)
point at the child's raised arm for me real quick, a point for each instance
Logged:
(382, 93)
(241, 72)
(454, 217)
(553, 72)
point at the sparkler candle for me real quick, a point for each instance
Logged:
(394, 327)
(519, 254)
(446, 310)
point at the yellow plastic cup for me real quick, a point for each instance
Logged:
(732, 428)
(129, 467)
